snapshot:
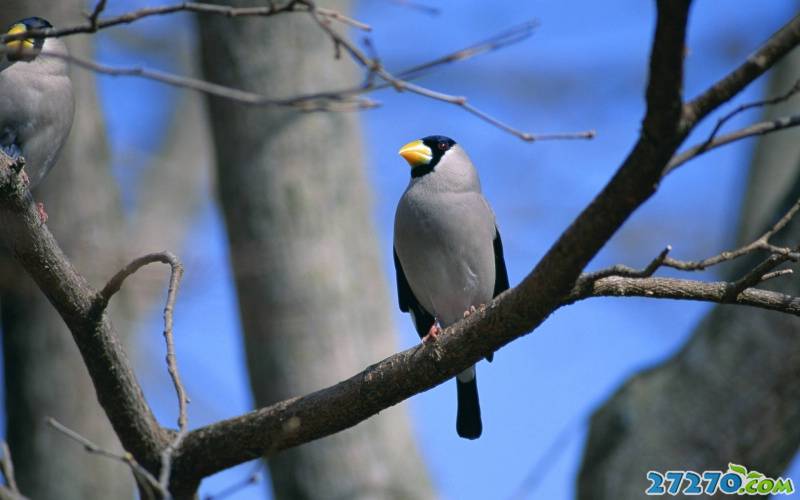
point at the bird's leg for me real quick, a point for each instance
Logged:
(26, 181)
(433, 333)
(41, 212)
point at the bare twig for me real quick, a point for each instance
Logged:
(98, 9)
(513, 35)
(321, 102)
(755, 276)
(172, 367)
(7, 469)
(427, 9)
(94, 24)
(756, 104)
(401, 85)
(346, 100)
(756, 129)
(176, 273)
(629, 272)
(777, 274)
(778, 45)
(125, 458)
(761, 243)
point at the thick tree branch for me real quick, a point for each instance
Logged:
(516, 312)
(118, 391)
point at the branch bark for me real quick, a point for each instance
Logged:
(35, 248)
(518, 311)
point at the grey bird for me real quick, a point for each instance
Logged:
(36, 100)
(448, 254)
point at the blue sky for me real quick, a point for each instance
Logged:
(584, 68)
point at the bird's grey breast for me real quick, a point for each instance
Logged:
(36, 111)
(444, 241)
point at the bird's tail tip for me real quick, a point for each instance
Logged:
(468, 417)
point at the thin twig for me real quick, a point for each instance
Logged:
(757, 104)
(401, 85)
(172, 367)
(629, 272)
(776, 274)
(7, 469)
(194, 7)
(323, 102)
(346, 100)
(511, 36)
(756, 129)
(755, 275)
(761, 243)
(176, 273)
(90, 447)
(427, 9)
(98, 9)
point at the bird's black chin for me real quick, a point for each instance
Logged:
(421, 170)
(27, 56)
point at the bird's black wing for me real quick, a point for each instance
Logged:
(500, 273)
(409, 303)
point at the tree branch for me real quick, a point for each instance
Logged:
(94, 24)
(682, 289)
(756, 64)
(118, 391)
(347, 100)
(761, 243)
(142, 475)
(10, 491)
(550, 285)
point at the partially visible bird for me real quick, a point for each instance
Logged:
(36, 100)
(448, 254)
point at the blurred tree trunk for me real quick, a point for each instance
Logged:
(732, 394)
(312, 295)
(44, 374)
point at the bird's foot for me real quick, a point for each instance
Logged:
(41, 212)
(473, 309)
(433, 333)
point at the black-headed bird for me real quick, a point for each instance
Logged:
(448, 254)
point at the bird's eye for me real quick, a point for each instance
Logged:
(442, 146)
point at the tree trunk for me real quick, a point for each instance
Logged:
(732, 394)
(304, 251)
(44, 374)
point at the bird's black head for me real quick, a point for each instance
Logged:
(424, 154)
(25, 49)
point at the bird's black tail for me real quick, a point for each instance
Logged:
(468, 417)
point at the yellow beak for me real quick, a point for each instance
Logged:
(416, 153)
(19, 45)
